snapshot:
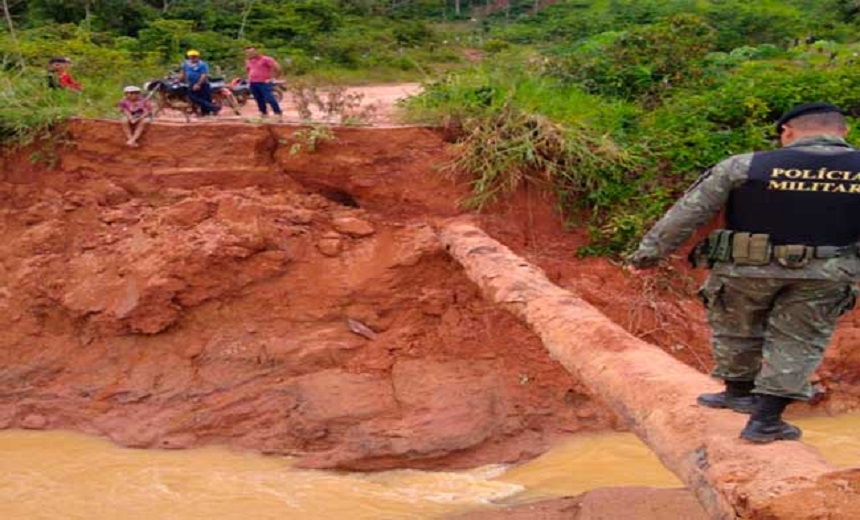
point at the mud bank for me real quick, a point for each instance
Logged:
(213, 287)
(225, 284)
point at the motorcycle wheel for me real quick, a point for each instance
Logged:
(230, 101)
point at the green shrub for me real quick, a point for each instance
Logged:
(698, 128)
(495, 46)
(29, 109)
(644, 61)
(521, 128)
(412, 33)
(740, 23)
(509, 147)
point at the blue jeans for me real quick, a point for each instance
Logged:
(264, 93)
(203, 99)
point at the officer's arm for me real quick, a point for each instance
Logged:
(697, 206)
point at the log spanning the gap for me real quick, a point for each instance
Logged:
(656, 394)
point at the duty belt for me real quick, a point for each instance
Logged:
(796, 256)
(756, 249)
(830, 251)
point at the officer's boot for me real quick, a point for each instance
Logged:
(736, 397)
(766, 424)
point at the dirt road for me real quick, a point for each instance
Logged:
(378, 106)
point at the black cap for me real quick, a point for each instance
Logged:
(805, 109)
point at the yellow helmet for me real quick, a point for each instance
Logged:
(192, 52)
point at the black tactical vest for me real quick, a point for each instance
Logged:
(800, 197)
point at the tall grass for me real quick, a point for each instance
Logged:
(511, 147)
(515, 76)
(29, 109)
(516, 127)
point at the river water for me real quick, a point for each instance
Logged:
(61, 475)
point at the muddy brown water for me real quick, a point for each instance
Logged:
(66, 475)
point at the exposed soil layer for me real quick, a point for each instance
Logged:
(212, 286)
(217, 285)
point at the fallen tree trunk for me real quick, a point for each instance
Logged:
(655, 394)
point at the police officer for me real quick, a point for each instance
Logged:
(782, 271)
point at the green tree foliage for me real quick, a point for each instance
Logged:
(670, 88)
(750, 23)
(643, 61)
(318, 33)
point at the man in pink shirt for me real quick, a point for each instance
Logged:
(262, 70)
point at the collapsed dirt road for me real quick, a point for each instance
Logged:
(224, 283)
(181, 293)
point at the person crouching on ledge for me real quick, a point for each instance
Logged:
(137, 112)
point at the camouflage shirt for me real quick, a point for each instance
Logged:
(709, 194)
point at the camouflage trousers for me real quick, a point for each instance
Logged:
(773, 331)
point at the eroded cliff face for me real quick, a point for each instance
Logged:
(216, 286)
(212, 287)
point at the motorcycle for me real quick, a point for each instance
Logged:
(241, 88)
(170, 93)
(222, 95)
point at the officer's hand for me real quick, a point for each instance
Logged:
(637, 262)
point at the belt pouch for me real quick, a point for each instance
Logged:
(759, 250)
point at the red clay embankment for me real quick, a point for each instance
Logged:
(214, 286)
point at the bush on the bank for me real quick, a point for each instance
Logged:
(656, 152)
(519, 128)
(29, 110)
(510, 147)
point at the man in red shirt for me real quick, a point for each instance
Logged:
(59, 76)
(262, 71)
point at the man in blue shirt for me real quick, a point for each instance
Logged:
(195, 72)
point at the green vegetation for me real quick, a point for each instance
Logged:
(116, 42)
(613, 105)
(636, 98)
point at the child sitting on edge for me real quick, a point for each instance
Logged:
(138, 113)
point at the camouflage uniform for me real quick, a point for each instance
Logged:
(770, 323)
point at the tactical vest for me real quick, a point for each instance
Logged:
(800, 197)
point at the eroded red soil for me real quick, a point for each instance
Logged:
(216, 286)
